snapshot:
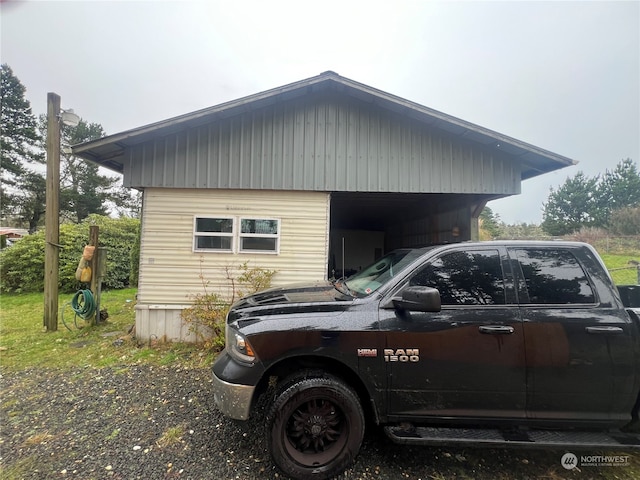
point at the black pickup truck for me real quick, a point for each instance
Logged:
(489, 343)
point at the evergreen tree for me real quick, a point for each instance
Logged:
(30, 204)
(83, 190)
(589, 202)
(18, 142)
(572, 206)
(489, 224)
(618, 189)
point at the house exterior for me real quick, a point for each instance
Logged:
(312, 179)
(9, 235)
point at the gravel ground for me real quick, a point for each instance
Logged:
(149, 422)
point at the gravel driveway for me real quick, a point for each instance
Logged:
(148, 422)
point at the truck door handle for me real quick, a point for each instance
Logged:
(604, 330)
(496, 329)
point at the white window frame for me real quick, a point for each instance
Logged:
(231, 234)
(275, 236)
(236, 235)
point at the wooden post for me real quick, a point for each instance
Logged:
(102, 269)
(94, 233)
(52, 215)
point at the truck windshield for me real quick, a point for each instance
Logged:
(371, 278)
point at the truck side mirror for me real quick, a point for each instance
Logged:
(418, 299)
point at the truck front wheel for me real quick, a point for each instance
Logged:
(315, 428)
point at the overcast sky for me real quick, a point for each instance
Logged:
(564, 76)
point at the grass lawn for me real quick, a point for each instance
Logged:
(24, 343)
(622, 272)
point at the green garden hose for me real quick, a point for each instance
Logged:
(83, 305)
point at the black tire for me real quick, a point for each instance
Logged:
(315, 428)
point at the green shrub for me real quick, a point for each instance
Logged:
(253, 280)
(135, 261)
(22, 264)
(625, 221)
(119, 236)
(206, 316)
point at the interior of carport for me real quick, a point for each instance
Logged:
(365, 226)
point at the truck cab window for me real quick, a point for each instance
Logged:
(553, 276)
(465, 278)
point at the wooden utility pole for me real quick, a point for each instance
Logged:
(52, 214)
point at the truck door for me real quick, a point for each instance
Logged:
(466, 360)
(579, 346)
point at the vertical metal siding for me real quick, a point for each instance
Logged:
(324, 146)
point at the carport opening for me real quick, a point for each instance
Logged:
(365, 226)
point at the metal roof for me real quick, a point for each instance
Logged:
(108, 151)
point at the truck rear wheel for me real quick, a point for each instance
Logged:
(315, 428)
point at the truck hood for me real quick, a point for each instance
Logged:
(317, 297)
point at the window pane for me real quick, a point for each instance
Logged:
(269, 227)
(465, 278)
(554, 276)
(258, 243)
(213, 243)
(219, 225)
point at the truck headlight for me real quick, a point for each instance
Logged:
(238, 346)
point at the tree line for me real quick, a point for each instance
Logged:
(608, 201)
(84, 190)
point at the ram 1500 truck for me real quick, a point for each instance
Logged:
(494, 343)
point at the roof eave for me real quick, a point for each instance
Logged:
(113, 146)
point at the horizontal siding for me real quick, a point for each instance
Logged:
(322, 145)
(170, 270)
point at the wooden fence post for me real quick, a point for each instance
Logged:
(94, 233)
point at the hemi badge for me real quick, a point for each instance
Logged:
(367, 352)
